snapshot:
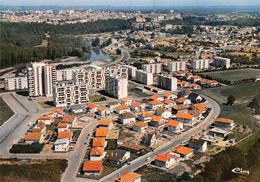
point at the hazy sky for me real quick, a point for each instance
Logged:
(133, 2)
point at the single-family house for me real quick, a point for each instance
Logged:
(182, 151)
(127, 118)
(182, 101)
(164, 113)
(57, 112)
(62, 127)
(145, 116)
(99, 142)
(65, 134)
(97, 154)
(185, 118)
(61, 145)
(224, 123)
(194, 86)
(128, 177)
(40, 127)
(101, 132)
(33, 137)
(175, 126)
(91, 107)
(70, 120)
(155, 104)
(195, 98)
(157, 121)
(102, 111)
(179, 109)
(149, 139)
(76, 109)
(212, 83)
(165, 160)
(92, 168)
(132, 147)
(136, 106)
(140, 126)
(118, 157)
(126, 101)
(169, 95)
(105, 123)
(46, 119)
(156, 97)
(195, 78)
(122, 109)
(200, 107)
(198, 144)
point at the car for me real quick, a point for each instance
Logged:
(148, 158)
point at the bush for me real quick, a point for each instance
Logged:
(33, 148)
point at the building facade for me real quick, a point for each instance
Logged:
(176, 66)
(116, 86)
(221, 62)
(200, 64)
(167, 82)
(16, 83)
(131, 71)
(152, 68)
(144, 77)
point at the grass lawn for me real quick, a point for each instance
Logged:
(243, 93)
(31, 170)
(96, 98)
(5, 111)
(33, 148)
(234, 75)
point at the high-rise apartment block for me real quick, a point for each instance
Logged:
(16, 83)
(131, 71)
(152, 68)
(116, 86)
(221, 62)
(144, 77)
(167, 82)
(41, 77)
(176, 66)
(200, 64)
(68, 93)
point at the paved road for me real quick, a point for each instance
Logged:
(139, 162)
(124, 57)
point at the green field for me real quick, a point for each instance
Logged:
(5, 112)
(234, 75)
(31, 170)
(244, 93)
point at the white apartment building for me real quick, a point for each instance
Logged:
(221, 62)
(144, 77)
(65, 74)
(68, 93)
(41, 77)
(200, 64)
(16, 83)
(167, 82)
(131, 71)
(176, 66)
(96, 78)
(117, 86)
(152, 68)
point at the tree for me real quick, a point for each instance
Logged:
(118, 51)
(230, 100)
(96, 42)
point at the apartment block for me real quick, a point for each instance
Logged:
(131, 71)
(116, 86)
(200, 64)
(176, 66)
(167, 82)
(41, 77)
(65, 74)
(16, 83)
(152, 68)
(221, 62)
(144, 77)
(67, 93)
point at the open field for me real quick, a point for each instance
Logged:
(234, 75)
(243, 94)
(5, 112)
(31, 170)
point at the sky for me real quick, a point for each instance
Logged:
(131, 2)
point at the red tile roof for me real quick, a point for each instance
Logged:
(92, 166)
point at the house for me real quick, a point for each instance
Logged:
(145, 116)
(127, 118)
(40, 127)
(218, 132)
(182, 101)
(56, 112)
(195, 78)
(196, 114)
(166, 160)
(224, 123)
(136, 106)
(169, 95)
(126, 101)
(195, 98)
(105, 123)
(118, 157)
(212, 83)
(46, 119)
(61, 145)
(155, 104)
(129, 177)
(194, 86)
(156, 97)
(102, 111)
(132, 147)
(91, 107)
(168, 103)
(140, 126)
(70, 120)
(200, 107)
(198, 144)
(122, 109)
(182, 151)
(157, 121)
(62, 127)
(184, 93)
(185, 118)
(97, 154)
(163, 113)
(76, 109)
(99, 142)
(175, 126)
(92, 168)
(101, 132)
(150, 139)
(183, 84)
(33, 137)
(65, 134)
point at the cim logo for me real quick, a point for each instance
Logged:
(238, 170)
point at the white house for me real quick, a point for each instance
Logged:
(155, 104)
(166, 160)
(163, 113)
(92, 168)
(140, 126)
(175, 126)
(46, 119)
(62, 127)
(61, 145)
(129, 177)
(122, 109)
(145, 116)
(127, 118)
(97, 154)
(198, 144)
